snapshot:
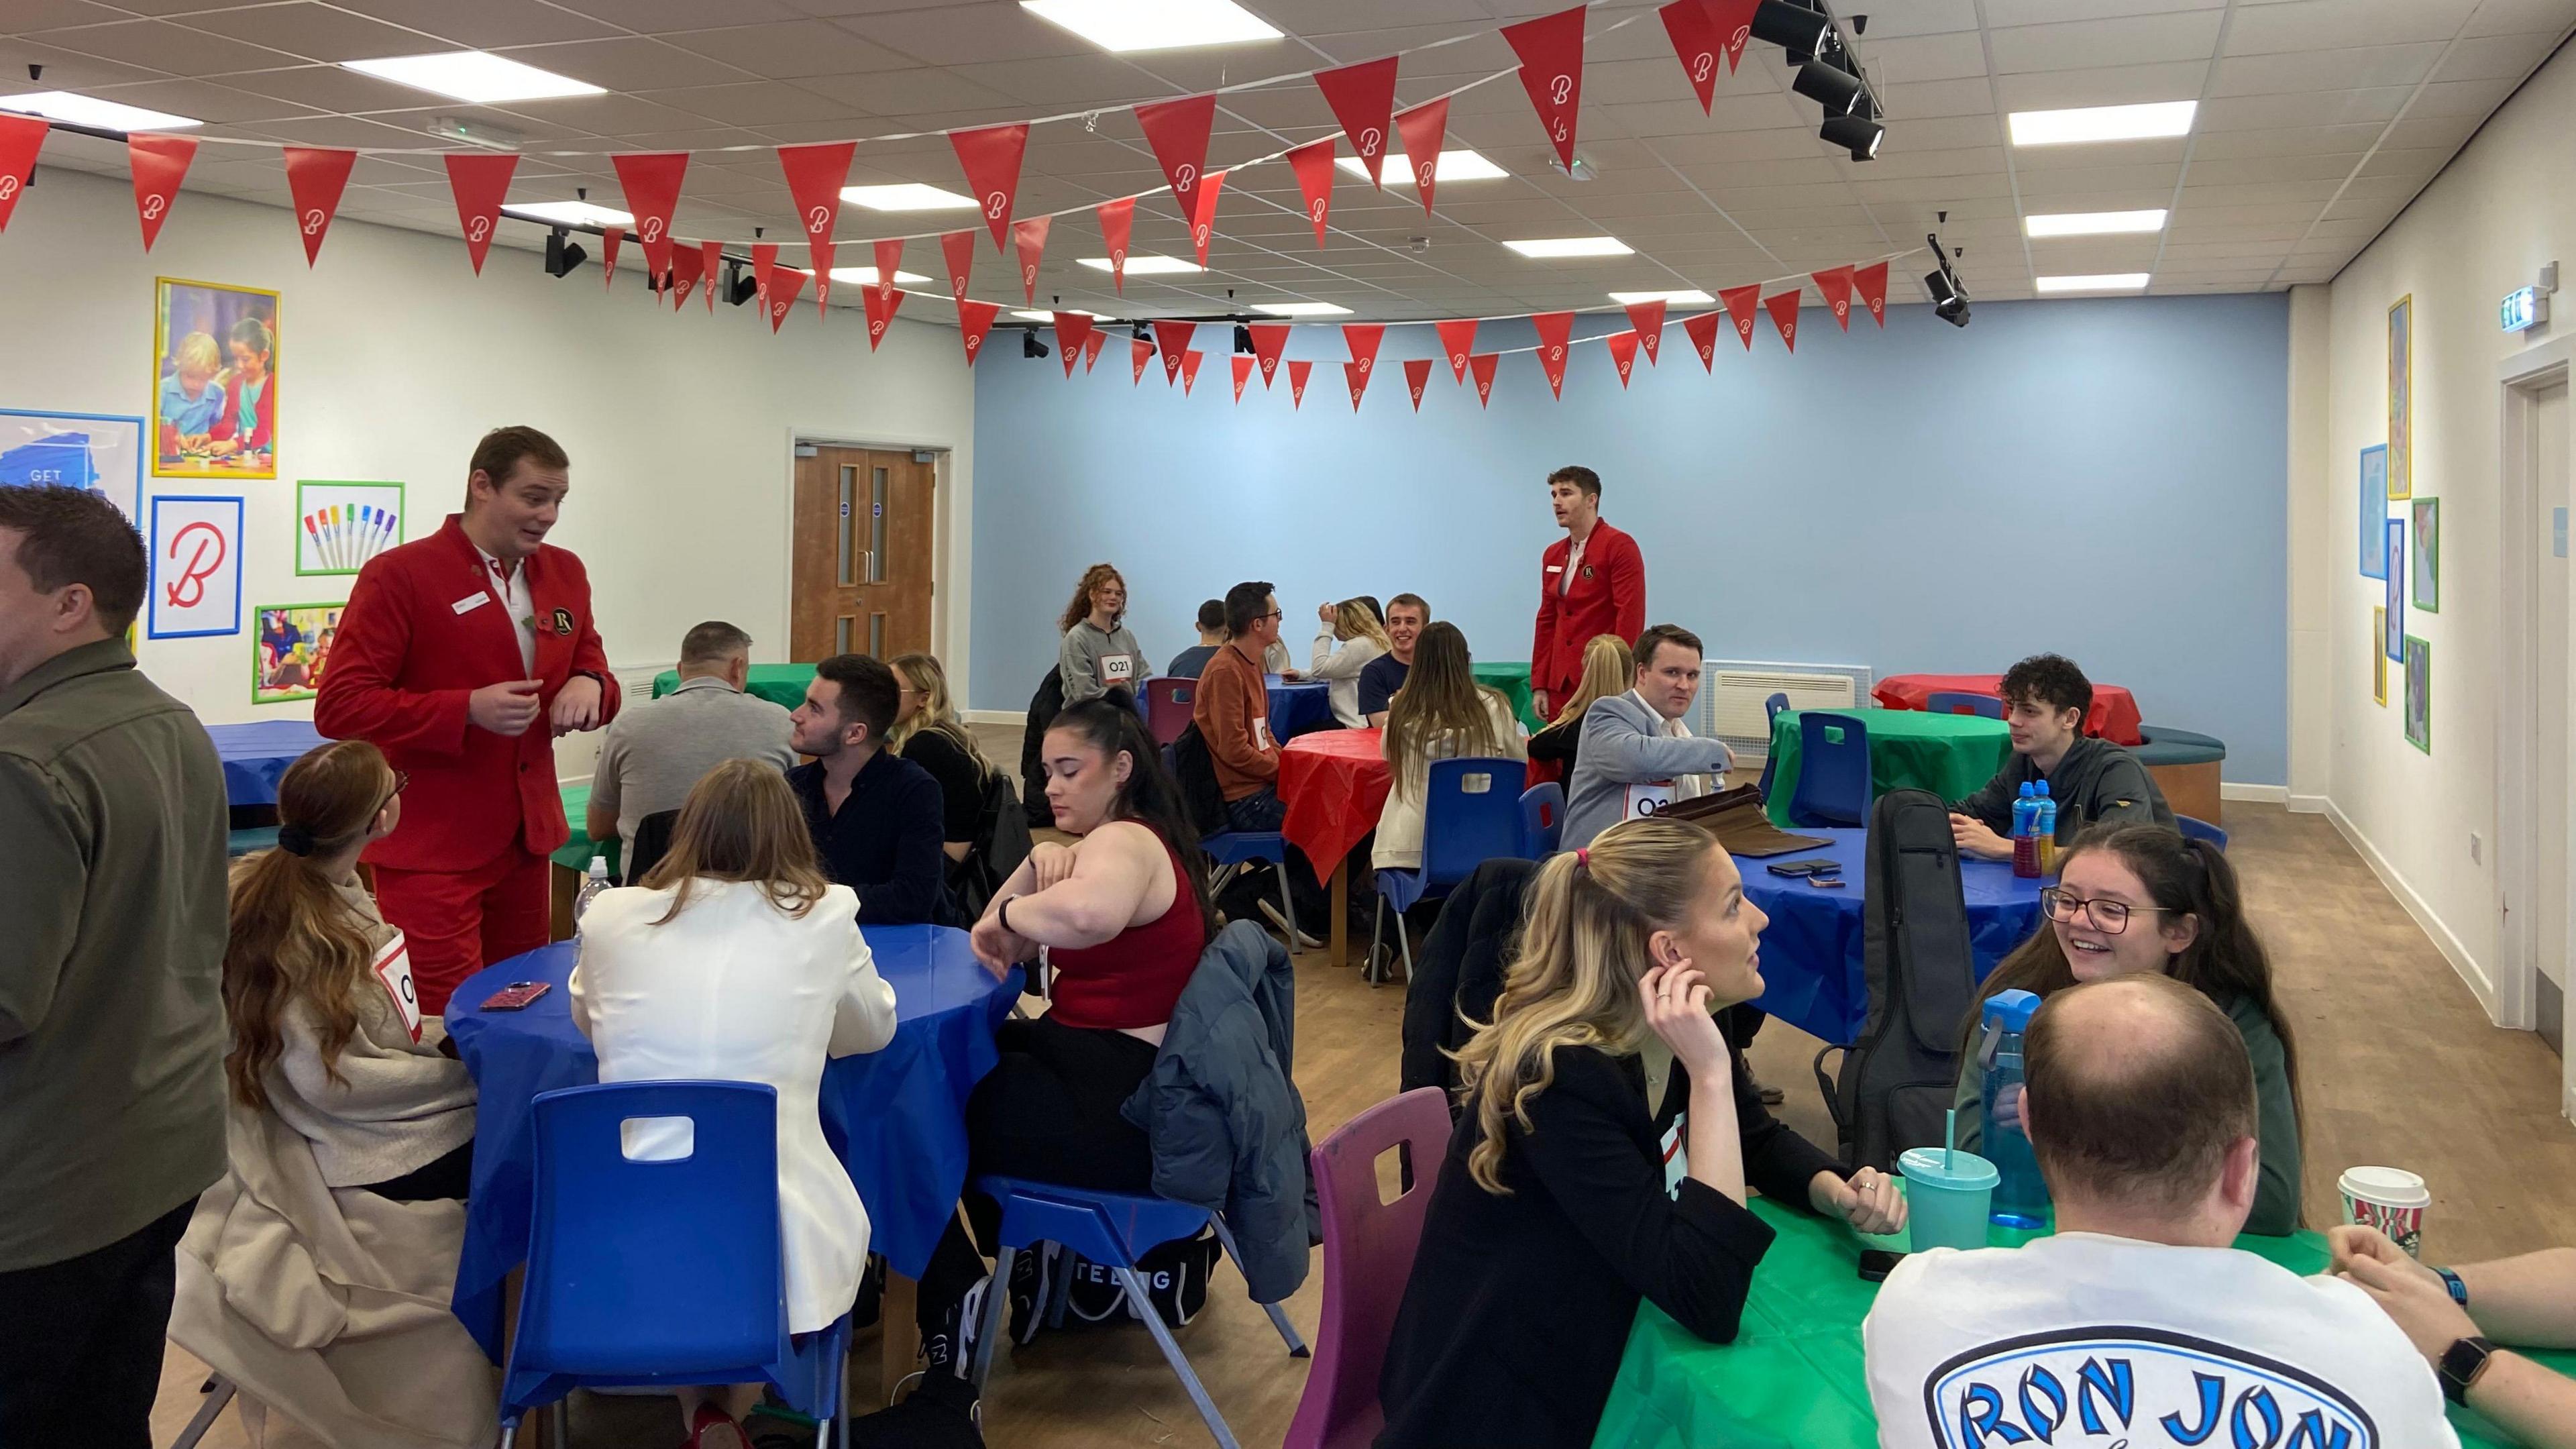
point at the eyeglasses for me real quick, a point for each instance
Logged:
(402, 782)
(2108, 917)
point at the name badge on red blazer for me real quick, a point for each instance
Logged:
(563, 621)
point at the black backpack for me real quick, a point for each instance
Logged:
(1001, 844)
(1044, 706)
(1195, 769)
(1897, 1081)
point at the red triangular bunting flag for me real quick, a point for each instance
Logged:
(1835, 286)
(1268, 339)
(1482, 365)
(1117, 220)
(1553, 329)
(712, 254)
(1242, 373)
(1203, 225)
(21, 137)
(1551, 52)
(1313, 163)
(815, 175)
(1140, 352)
(1648, 319)
(1298, 372)
(1363, 339)
(1696, 45)
(1784, 315)
(974, 320)
(1703, 336)
(159, 163)
(1458, 340)
(889, 262)
(958, 247)
(1739, 303)
(315, 178)
(688, 264)
(1178, 131)
(1362, 96)
(1871, 282)
(1091, 346)
(1424, 128)
(1623, 353)
(1731, 21)
(1174, 339)
(609, 238)
(818, 256)
(1357, 375)
(1417, 375)
(481, 181)
(784, 284)
(1190, 370)
(881, 303)
(990, 157)
(1072, 335)
(651, 181)
(764, 270)
(1030, 238)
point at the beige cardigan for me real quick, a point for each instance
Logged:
(1399, 827)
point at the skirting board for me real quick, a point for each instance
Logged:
(2479, 983)
(2261, 794)
(996, 716)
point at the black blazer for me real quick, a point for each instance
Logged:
(1519, 1307)
(1459, 970)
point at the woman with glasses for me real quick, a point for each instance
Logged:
(2141, 898)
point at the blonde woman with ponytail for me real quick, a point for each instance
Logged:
(1563, 1199)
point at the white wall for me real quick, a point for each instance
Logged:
(394, 357)
(2484, 227)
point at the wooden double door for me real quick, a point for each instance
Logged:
(864, 528)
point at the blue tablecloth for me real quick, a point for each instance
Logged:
(1298, 706)
(256, 754)
(1811, 951)
(897, 1117)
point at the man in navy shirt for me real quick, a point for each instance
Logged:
(875, 815)
(1405, 616)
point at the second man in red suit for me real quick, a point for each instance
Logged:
(1593, 581)
(462, 656)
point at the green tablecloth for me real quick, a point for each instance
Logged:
(1950, 755)
(1514, 682)
(1793, 1378)
(781, 684)
(576, 853)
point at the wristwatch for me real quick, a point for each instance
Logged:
(2461, 1364)
(2459, 1289)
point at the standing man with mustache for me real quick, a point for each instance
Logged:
(1592, 581)
(462, 656)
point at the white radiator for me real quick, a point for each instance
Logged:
(1735, 692)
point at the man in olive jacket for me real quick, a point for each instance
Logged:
(112, 925)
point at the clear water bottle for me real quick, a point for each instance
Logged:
(2021, 1194)
(595, 882)
(2043, 831)
(2025, 833)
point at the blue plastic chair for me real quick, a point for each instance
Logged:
(1542, 819)
(1985, 705)
(1471, 813)
(1112, 1229)
(1770, 716)
(662, 1273)
(1227, 849)
(1833, 770)
(2201, 830)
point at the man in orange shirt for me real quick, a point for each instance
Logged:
(1592, 581)
(1233, 718)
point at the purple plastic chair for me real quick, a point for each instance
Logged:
(1368, 1255)
(1168, 703)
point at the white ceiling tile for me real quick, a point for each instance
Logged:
(2039, 12)
(2304, 25)
(2135, 40)
(659, 17)
(2517, 17)
(311, 31)
(790, 49)
(1953, 55)
(2118, 85)
(628, 63)
(2324, 70)
(163, 46)
(484, 24)
(1938, 98)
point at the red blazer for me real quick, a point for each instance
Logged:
(399, 675)
(1608, 596)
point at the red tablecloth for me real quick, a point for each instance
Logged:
(2114, 716)
(1334, 783)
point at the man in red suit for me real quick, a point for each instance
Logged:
(462, 656)
(1593, 582)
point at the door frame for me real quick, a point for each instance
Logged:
(2515, 979)
(951, 535)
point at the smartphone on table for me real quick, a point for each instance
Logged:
(516, 995)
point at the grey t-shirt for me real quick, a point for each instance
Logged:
(656, 753)
(1096, 661)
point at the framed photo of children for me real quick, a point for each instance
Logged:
(2419, 694)
(214, 381)
(2401, 399)
(2378, 656)
(2428, 555)
(2374, 511)
(339, 526)
(288, 652)
(2395, 643)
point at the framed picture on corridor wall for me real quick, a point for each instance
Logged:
(2401, 399)
(2395, 641)
(2374, 511)
(2378, 655)
(2419, 694)
(2428, 555)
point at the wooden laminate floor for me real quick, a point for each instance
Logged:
(2398, 1065)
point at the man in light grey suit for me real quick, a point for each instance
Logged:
(1638, 756)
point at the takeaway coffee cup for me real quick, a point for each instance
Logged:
(1946, 1204)
(2390, 1199)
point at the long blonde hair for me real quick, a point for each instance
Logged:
(1354, 619)
(741, 823)
(1608, 669)
(292, 937)
(1080, 609)
(925, 675)
(1440, 697)
(1572, 979)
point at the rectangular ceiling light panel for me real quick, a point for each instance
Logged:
(472, 75)
(2094, 223)
(1123, 25)
(2102, 123)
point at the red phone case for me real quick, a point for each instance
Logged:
(516, 995)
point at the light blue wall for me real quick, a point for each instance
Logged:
(2102, 478)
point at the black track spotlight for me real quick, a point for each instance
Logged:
(563, 253)
(739, 285)
(1243, 339)
(1030, 346)
(1829, 85)
(1795, 28)
(1856, 133)
(1949, 294)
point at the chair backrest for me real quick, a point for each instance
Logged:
(656, 1266)
(1946, 702)
(1771, 708)
(1168, 705)
(1542, 819)
(1471, 813)
(2200, 830)
(652, 842)
(1368, 1256)
(1770, 716)
(1833, 770)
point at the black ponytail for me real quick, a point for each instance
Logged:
(1151, 797)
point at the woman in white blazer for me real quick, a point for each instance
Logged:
(736, 960)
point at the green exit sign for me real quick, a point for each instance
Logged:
(2522, 308)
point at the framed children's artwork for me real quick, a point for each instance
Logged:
(2374, 511)
(97, 451)
(195, 590)
(2378, 656)
(214, 381)
(2396, 635)
(289, 650)
(339, 526)
(2419, 694)
(2401, 399)
(2428, 555)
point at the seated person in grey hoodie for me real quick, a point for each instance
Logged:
(2093, 781)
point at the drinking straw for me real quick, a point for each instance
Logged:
(1949, 1138)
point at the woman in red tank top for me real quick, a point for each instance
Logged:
(1124, 913)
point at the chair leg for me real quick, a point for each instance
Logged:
(1377, 933)
(1060, 1288)
(1278, 1319)
(1404, 939)
(841, 1403)
(509, 1436)
(562, 1423)
(219, 1392)
(1144, 1306)
(997, 1292)
(1287, 903)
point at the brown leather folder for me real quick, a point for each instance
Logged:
(1736, 818)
